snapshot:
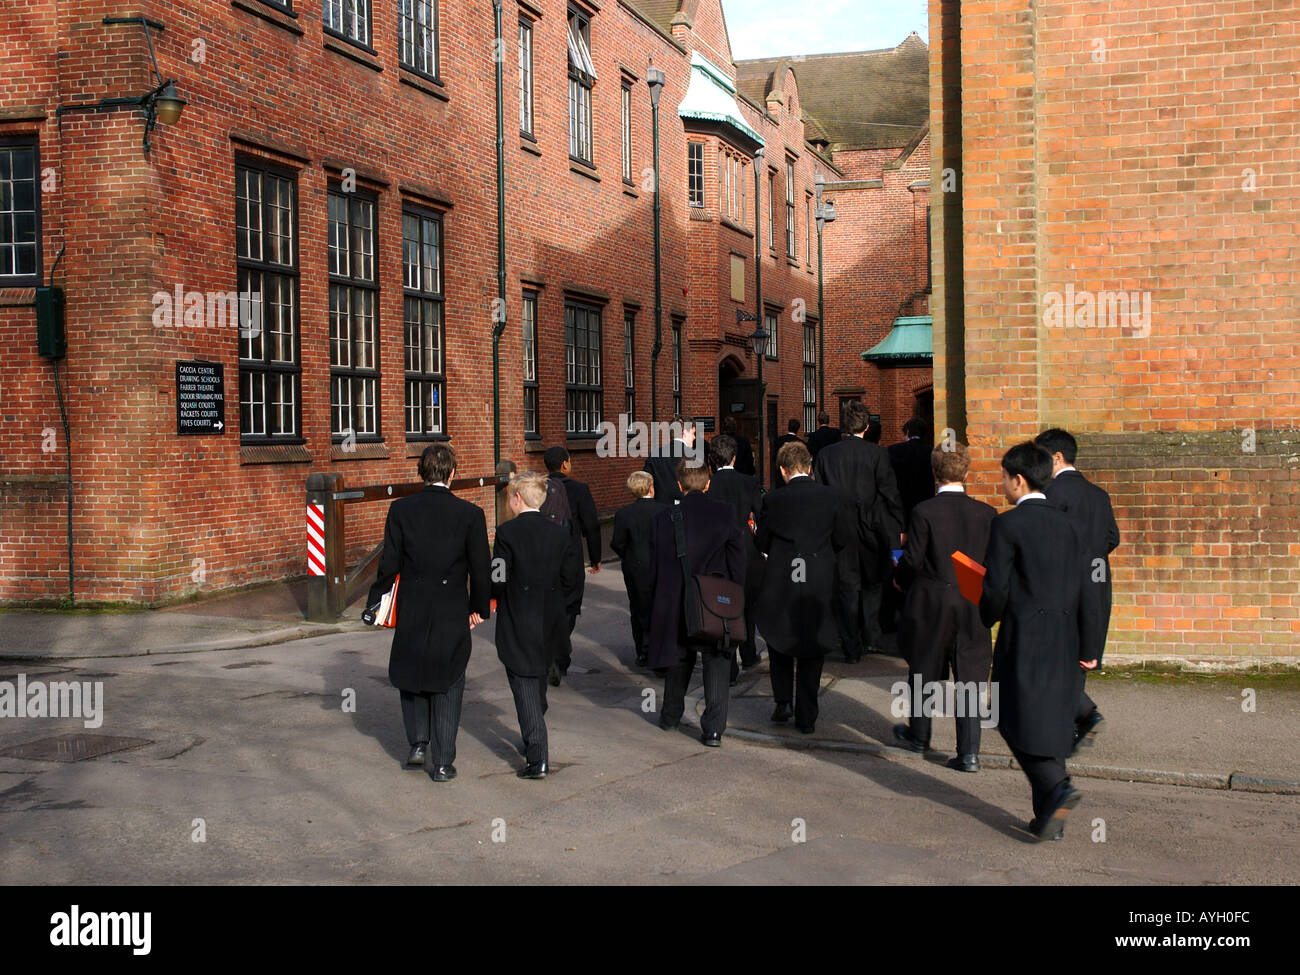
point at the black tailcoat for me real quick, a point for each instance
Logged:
(632, 526)
(911, 462)
(663, 468)
(438, 543)
(534, 577)
(861, 477)
(1034, 584)
(744, 455)
(802, 522)
(582, 521)
(937, 622)
(1089, 508)
(713, 545)
(822, 437)
(587, 522)
(740, 492)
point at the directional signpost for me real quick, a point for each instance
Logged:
(200, 398)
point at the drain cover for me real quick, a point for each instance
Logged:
(72, 748)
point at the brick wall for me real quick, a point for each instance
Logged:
(1148, 150)
(875, 253)
(157, 515)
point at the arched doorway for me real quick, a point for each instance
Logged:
(738, 397)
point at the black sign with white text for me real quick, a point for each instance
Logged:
(200, 397)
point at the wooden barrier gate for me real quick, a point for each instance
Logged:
(330, 586)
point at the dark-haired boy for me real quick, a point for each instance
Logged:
(713, 547)
(741, 493)
(860, 475)
(1089, 508)
(583, 522)
(1034, 585)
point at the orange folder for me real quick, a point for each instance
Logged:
(970, 576)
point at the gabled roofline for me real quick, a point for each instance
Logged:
(910, 148)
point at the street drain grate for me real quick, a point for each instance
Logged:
(72, 748)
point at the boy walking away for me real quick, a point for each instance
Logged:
(824, 435)
(438, 544)
(582, 522)
(791, 435)
(741, 493)
(862, 479)
(632, 543)
(534, 577)
(1089, 508)
(1033, 584)
(800, 528)
(713, 547)
(938, 629)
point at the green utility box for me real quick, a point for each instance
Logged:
(51, 342)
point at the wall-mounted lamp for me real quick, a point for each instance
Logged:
(655, 79)
(162, 106)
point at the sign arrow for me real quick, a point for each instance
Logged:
(218, 425)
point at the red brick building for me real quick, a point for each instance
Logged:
(868, 111)
(321, 223)
(1118, 255)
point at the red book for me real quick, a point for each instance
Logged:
(970, 576)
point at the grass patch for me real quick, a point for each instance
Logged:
(1276, 678)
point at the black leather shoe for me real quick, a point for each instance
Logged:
(553, 674)
(641, 659)
(1085, 732)
(442, 773)
(667, 725)
(806, 729)
(782, 713)
(535, 770)
(1051, 826)
(903, 738)
(416, 758)
(712, 738)
(965, 763)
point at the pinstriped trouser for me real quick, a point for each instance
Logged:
(434, 718)
(530, 706)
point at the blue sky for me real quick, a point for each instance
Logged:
(768, 28)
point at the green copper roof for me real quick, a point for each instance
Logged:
(910, 338)
(711, 96)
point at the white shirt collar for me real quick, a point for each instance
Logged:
(951, 489)
(796, 476)
(439, 484)
(531, 511)
(729, 467)
(1036, 495)
(1067, 467)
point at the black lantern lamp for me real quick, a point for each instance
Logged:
(162, 106)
